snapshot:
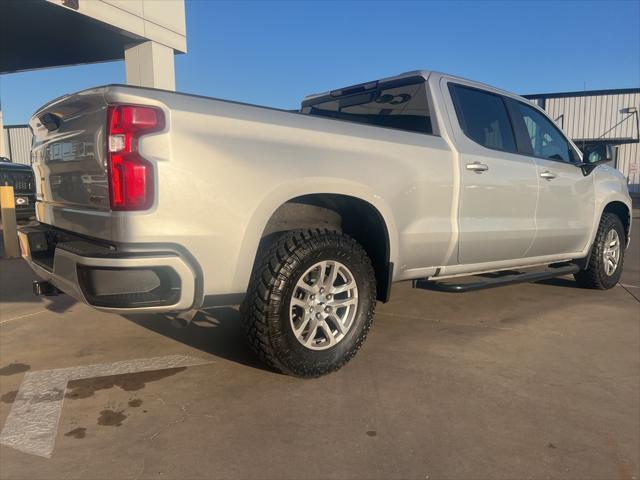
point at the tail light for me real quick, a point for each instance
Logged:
(130, 175)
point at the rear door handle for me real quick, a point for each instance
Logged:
(477, 167)
(548, 175)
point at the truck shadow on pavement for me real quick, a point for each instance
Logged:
(216, 331)
(561, 282)
(16, 280)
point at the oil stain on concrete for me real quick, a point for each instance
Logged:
(14, 368)
(111, 418)
(84, 388)
(9, 397)
(135, 402)
(78, 433)
(53, 395)
(32, 423)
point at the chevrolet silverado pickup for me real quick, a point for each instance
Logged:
(157, 201)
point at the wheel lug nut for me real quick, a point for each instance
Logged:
(321, 290)
(329, 296)
(327, 309)
(318, 315)
(312, 297)
(310, 309)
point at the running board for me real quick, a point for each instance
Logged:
(509, 278)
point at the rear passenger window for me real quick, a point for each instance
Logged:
(404, 107)
(483, 117)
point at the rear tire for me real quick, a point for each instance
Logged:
(310, 302)
(607, 255)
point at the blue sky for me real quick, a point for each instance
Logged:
(274, 53)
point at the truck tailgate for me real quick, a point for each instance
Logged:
(68, 152)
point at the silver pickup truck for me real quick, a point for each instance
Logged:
(156, 201)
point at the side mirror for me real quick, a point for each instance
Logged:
(598, 153)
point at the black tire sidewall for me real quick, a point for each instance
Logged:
(612, 223)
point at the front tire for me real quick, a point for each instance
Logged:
(310, 302)
(607, 255)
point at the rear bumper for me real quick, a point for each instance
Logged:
(23, 213)
(107, 277)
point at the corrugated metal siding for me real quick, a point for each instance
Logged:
(601, 117)
(6, 140)
(18, 143)
(629, 164)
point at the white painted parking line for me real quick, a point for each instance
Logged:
(22, 316)
(32, 424)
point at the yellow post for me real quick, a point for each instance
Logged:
(9, 225)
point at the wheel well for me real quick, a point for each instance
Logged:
(350, 215)
(622, 211)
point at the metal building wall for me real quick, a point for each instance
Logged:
(629, 164)
(601, 116)
(18, 143)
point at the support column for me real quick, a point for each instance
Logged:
(3, 147)
(9, 225)
(150, 64)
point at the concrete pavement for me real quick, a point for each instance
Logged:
(527, 381)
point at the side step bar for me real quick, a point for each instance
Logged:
(509, 278)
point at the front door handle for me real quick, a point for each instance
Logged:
(477, 167)
(548, 175)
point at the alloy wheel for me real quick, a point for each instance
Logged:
(323, 305)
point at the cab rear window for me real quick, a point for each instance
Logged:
(404, 107)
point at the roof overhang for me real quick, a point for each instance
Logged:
(583, 93)
(39, 34)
